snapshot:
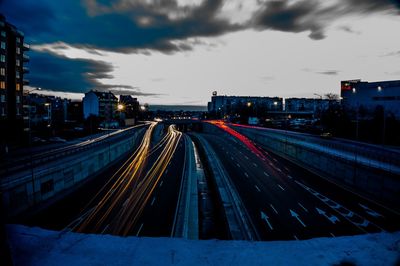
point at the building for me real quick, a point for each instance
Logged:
(12, 70)
(310, 106)
(100, 104)
(358, 94)
(228, 105)
(130, 106)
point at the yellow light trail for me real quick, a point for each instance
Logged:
(122, 205)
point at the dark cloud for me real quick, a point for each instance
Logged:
(328, 72)
(312, 16)
(57, 73)
(123, 26)
(127, 26)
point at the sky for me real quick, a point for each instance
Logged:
(176, 52)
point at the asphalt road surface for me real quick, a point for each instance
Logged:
(285, 201)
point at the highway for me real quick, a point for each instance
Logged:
(288, 202)
(139, 197)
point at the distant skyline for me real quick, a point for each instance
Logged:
(177, 52)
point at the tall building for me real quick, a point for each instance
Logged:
(12, 59)
(358, 94)
(101, 104)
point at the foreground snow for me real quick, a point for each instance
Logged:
(35, 246)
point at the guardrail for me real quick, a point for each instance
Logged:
(8, 168)
(373, 152)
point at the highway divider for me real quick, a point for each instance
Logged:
(239, 223)
(186, 222)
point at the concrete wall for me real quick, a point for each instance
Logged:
(378, 183)
(30, 189)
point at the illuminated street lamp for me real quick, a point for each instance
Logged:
(120, 107)
(248, 104)
(379, 88)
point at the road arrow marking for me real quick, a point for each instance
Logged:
(332, 218)
(265, 218)
(295, 215)
(370, 212)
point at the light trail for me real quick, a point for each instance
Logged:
(122, 204)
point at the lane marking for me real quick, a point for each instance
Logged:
(140, 229)
(286, 169)
(246, 174)
(302, 207)
(257, 188)
(332, 235)
(255, 164)
(273, 208)
(291, 177)
(295, 215)
(162, 181)
(246, 157)
(166, 171)
(232, 158)
(265, 218)
(238, 165)
(279, 169)
(295, 237)
(266, 174)
(152, 202)
(271, 164)
(281, 187)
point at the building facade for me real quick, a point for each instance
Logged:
(358, 94)
(100, 104)
(231, 104)
(307, 105)
(12, 59)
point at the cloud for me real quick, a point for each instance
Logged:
(131, 26)
(328, 72)
(394, 53)
(315, 15)
(77, 75)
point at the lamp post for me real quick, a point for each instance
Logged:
(30, 141)
(120, 107)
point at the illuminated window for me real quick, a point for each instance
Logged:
(17, 87)
(2, 71)
(18, 50)
(3, 45)
(2, 85)
(17, 62)
(17, 99)
(18, 39)
(17, 74)
(2, 58)
(18, 111)
(3, 98)
(3, 34)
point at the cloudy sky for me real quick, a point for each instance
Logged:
(179, 51)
